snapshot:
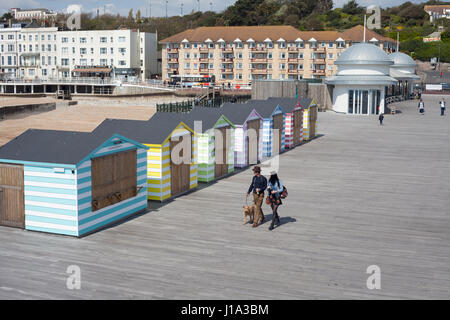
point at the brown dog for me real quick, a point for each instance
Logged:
(249, 211)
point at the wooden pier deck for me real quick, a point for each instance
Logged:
(359, 195)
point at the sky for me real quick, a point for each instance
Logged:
(158, 7)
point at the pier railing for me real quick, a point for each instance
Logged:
(187, 105)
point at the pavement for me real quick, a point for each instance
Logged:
(362, 197)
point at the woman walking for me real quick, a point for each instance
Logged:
(275, 188)
(421, 107)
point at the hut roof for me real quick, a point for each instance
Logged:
(264, 107)
(236, 112)
(208, 117)
(51, 146)
(153, 131)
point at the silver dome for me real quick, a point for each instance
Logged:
(402, 60)
(364, 53)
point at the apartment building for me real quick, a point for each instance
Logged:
(237, 55)
(29, 51)
(28, 14)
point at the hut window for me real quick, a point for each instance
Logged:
(114, 179)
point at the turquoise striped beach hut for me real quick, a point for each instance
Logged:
(70, 183)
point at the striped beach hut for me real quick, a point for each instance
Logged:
(274, 118)
(309, 119)
(70, 183)
(215, 157)
(247, 146)
(172, 169)
(294, 119)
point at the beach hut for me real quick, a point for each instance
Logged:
(172, 169)
(215, 156)
(247, 146)
(294, 119)
(309, 119)
(70, 183)
(273, 126)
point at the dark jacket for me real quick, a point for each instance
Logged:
(258, 183)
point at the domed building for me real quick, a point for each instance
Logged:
(361, 81)
(403, 70)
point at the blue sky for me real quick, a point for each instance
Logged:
(158, 7)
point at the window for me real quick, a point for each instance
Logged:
(330, 45)
(269, 55)
(83, 62)
(103, 62)
(111, 39)
(239, 45)
(64, 50)
(64, 62)
(44, 72)
(64, 40)
(43, 61)
(187, 45)
(103, 50)
(330, 56)
(43, 37)
(92, 50)
(211, 55)
(282, 45)
(92, 62)
(103, 39)
(300, 66)
(49, 47)
(122, 50)
(122, 62)
(239, 66)
(187, 65)
(82, 50)
(73, 50)
(300, 45)
(49, 59)
(121, 39)
(83, 40)
(283, 55)
(211, 66)
(239, 76)
(269, 45)
(111, 50)
(31, 72)
(187, 55)
(300, 55)
(9, 60)
(282, 66)
(239, 55)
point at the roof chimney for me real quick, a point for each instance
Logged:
(10, 23)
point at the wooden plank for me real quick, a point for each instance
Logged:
(298, 123)
(278, 124)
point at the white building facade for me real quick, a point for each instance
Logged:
(31, 52)
(361, 81)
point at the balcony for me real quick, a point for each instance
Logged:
(203, 70)
(261, 49)
(227, 59)
(203, 59)
(227, 70)
(260, 60)
(294, 48)
(319, 60)
(173, 60)
(172, 50)
(318, 71)
(292, 60)
(259, 71)
(172, 70)
(319, 49)
(203, 49)
(227, 49)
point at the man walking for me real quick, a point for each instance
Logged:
(442, 103)
(381, 117)
(258, 186)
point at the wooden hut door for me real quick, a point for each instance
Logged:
(221, 152)
(298, 122)
(180, 173)
(253, 146)
(278, 124)
(12, 201)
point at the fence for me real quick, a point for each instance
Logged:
(186, 106)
